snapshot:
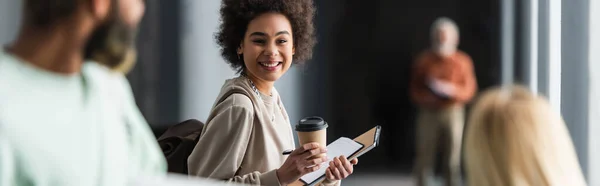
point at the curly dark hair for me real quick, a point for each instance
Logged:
(237, 14)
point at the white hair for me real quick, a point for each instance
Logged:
(443, 23)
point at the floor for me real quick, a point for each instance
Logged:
(370, 179)
(378, 180)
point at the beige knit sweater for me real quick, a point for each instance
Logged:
(244, 137)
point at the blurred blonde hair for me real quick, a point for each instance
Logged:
(514, 138)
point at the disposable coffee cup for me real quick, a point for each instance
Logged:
(312, 129)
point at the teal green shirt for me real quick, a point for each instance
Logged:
(71, 130)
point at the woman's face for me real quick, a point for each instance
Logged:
(268, 47)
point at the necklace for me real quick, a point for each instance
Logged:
(259, 96)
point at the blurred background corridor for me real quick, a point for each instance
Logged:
(359, 75)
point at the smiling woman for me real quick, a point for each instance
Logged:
(236, 16)
(267, 50)
(248, 127)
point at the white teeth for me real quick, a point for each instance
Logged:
(269, 64)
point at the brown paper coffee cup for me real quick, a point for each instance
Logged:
(312, 129)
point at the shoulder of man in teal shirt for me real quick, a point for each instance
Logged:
(82, 129)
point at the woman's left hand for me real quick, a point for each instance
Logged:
(340, 168)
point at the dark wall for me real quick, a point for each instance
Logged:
(362, 65)
(155, 78)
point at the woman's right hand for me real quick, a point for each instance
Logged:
(299, 163)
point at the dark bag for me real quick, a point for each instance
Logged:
(178, 142)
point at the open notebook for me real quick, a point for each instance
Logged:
(342, 146)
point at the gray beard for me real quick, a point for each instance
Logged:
(444, 50)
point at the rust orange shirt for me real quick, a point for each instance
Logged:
(457, 69)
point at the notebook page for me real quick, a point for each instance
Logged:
(342, 146)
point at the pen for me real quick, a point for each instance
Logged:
(287, 152)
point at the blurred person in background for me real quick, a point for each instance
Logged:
(514, 138)
(442, 82)
(248, 127)
(67, 113)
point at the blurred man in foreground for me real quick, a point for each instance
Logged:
(442, 82)
(67, 117)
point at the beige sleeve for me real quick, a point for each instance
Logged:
(221, 148)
